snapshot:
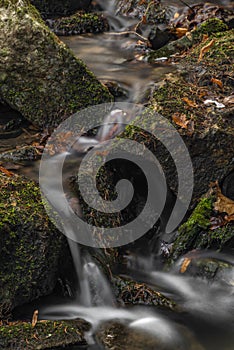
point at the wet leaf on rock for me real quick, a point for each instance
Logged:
(205, 49)
(223, 204)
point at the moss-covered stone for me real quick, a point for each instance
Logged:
(79, 23)
(209, 27)
(196, 232)
(40, 77)
(133, 293)
(30, 246)
(44, 335)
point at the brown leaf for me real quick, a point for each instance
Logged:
(217, 82)
(229, 218)
(229, 100)
(34, 318)
(181, 32)
(223, 204)
(144, 19)
(185, 265)
(189, 102)
(217, 222)
(180, 119)
(5, 171)
(205, 49)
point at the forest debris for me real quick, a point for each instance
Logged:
(205, 49)
(34, 318)
(217, 104)
(217, 82)
(189, 102)
(180, 119)
(5, 171)
(223, 204)
(229, 100)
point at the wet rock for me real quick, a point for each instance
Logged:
(39, 76)
(121, 337)
(134, 293)
(208, 133)
(196, 233)
(208, 265)
(79, 23)
(44, 335)
(52, 8)
(30, 246)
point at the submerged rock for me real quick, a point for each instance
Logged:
(39, 76)
(30, 245)
(146, 334)
(44, 335)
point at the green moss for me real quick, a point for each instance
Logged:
(212, 25)
(44, 335)
(200, 216)
(79, 23)
(30, 246)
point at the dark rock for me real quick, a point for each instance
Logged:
(79, 23)
(44, 335)
(30, 245)
(55, 8)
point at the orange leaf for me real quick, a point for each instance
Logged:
(181, 32)
(181, 120)
(205, 49)
(34, 318)
(189, 102)
(217, 82)
(229, 218)
(144, 19)
(5, 171)
(185, 265)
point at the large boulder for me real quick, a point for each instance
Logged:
(39, 75)
(30, 246)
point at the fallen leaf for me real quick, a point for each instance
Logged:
(181, 32)
(181, 120)
(229, 218)
(217, 222)
(5, 171)
(223, 204)
(176, 15)
(144, 19)
(185, 265)
(205, 49)
(229, 100)
(217, 82)
(34, 318)
(189, 102)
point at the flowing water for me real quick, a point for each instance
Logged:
(207, 307)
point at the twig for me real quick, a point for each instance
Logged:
(128, 32)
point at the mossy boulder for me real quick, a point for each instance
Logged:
(44, 335)
(51, 8)
(30, 246)
(79, 23)
(39, 76)
(197, 232)
(207, 130)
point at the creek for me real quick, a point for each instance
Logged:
(208, 307)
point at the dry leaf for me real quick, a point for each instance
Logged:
(229, 218)
(181, 120)
(223, 204)
(144, 19)
(185, 265)
(34, 318)
(217, 222)
(189, 102)
(176, 15)
(181, 32)
(5, 171)
(229, 100)
(217, 82)
(205, 49)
